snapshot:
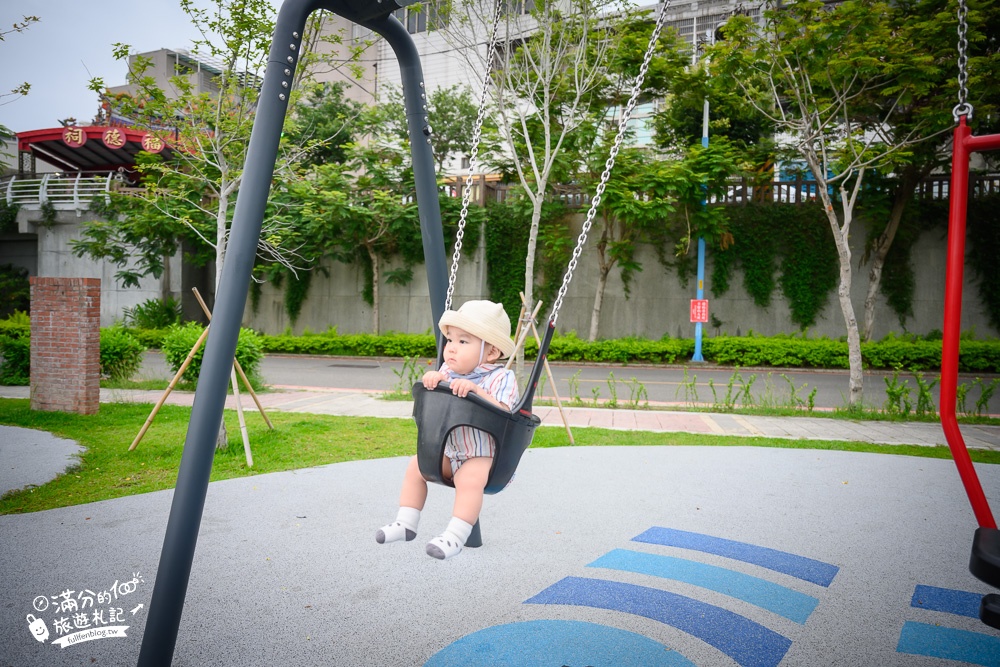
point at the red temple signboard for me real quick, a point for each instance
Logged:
(74, 136)
(152, 143)
(114, 138)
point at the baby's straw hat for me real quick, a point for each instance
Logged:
(483, 319)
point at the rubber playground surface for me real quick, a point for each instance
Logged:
(709, 556)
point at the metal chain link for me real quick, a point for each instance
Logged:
(609, 164)
(476, 136)
(963, 108)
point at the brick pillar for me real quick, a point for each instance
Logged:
(66, 344)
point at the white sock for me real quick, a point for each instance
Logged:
(404, 528)
(450, 542)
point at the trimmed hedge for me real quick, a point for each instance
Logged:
(352, 345)
(976, 356)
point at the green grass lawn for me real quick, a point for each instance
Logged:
(108, 470)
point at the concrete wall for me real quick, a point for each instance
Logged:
(658, 304)
(55, 259)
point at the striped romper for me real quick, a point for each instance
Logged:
(465, 442)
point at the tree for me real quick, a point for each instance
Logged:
(452, 113)
(193, 195)
(360, 210)
(925, 34)
(326, 121)
(811, 69)
(550, 69)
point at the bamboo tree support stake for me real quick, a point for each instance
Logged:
(552, 380)
(236, 363)
(243, 421)
(170, 388)
(520, 339)
(520, 322)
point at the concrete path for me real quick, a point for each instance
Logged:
(619, 556)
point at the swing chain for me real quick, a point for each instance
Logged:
(963, 108)
(609, 163)
(476, 136)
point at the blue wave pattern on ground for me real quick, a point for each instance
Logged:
(532, 643)
(949, 644)
(800, 567)
(960, 603)
(775, 598)
(748, 643)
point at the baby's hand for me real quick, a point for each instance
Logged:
(432, 378)
(463, 387)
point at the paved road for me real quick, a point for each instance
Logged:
(662, 384)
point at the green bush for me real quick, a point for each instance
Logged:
(179, 340)
(15, 360)
(779, 351)
(121, 354)
(360, 345)
(15, 349)
(153, 314)
(151, 338)
(15, 290)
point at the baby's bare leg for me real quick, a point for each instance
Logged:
(414, 491)
(470, 480)
(411, 501)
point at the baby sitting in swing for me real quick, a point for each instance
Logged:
(477, 335)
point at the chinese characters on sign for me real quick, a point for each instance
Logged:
(74, 137)
(114, 138)
(152, 143)
(699, 310)
(82, 616)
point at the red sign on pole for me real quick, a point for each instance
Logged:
(699, 310)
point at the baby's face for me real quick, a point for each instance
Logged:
(462, 350)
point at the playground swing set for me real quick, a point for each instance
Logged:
(984, 562)
(438, 411)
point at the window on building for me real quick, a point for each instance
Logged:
(359, 33)
(428, 17)
(515, 7)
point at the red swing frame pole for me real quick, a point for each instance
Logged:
(965, 144)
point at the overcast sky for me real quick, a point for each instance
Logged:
(72, 43)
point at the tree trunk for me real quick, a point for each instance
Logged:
(884, 243)
(840, 236)
(529, 263)
(375, 281)
(595, 316)
(529, 271)
(604, 268)
(222, 439)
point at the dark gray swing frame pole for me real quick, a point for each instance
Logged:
(180, 539)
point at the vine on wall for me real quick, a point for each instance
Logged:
(506, 236)
(898, 279)
(793, 239)
(507, 227)
(8, 217)
(983, 224)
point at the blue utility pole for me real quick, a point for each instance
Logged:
(700, 294)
